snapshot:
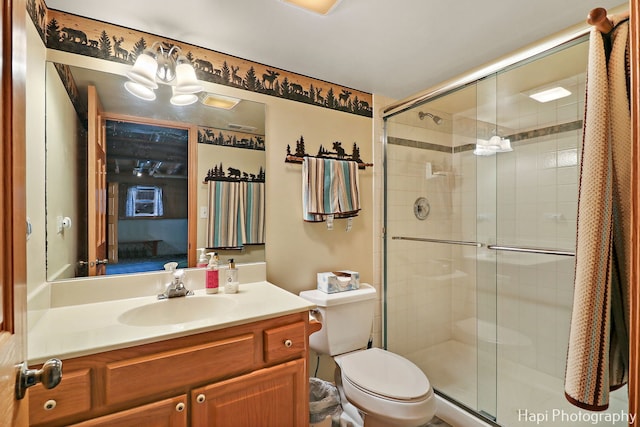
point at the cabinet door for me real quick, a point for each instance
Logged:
(271, 397)
(72, 397)
(164, 413)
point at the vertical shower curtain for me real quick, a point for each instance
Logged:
(597, 359)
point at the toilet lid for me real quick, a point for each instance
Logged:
(385, 374)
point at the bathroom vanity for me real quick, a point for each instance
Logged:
(126, 365)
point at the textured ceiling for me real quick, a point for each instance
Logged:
(391, 48)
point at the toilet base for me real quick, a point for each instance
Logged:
(350, 416)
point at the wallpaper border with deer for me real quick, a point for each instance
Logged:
(88, 37)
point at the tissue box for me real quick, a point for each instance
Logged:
(338, 281)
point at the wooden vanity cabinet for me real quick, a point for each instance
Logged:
(267, 398)
(246, 375)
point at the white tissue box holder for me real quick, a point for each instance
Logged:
(338, 281)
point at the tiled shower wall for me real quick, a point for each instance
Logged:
(529, 196)
(537, 206)
(419, 287)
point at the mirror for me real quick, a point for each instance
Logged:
(158, 158)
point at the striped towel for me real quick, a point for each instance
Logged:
(254, 213)
(236, 214)
(597, 358)
(224, 224)
(329, 188)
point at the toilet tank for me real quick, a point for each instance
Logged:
(346, 319)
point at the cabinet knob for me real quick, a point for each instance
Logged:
(49, 405)
(180, 407)
(201, 398)
(288, 343)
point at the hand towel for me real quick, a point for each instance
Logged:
(254, 213)
(330, 188)
(597, 358)
(224, 223)
(236, 214)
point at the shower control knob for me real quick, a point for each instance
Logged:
(421, 208)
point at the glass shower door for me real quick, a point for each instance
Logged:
(437, 290)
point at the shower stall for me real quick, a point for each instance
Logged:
(481, 188)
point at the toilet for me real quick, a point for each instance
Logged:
(377, 387)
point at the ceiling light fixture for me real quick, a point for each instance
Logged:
(550, 94)
(219, 101)
(495, 144)
(321, 7)
(159, 65)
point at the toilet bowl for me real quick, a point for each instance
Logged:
(388, 389)
(377, 387)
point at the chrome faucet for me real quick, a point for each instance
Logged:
(176, 288)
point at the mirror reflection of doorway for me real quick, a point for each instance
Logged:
(147, 206)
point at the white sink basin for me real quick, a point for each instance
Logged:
(177, 310)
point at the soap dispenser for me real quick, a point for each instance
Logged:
(231, 282)
(213, 274)
(202, 258)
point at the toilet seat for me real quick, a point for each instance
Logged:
(387, 388)
(385, 375)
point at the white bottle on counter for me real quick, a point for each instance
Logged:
(202, 258)
(231, 282)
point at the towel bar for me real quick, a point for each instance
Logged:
(338, 154)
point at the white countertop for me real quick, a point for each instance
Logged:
(81, 329)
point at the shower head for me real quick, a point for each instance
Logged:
(436, 119)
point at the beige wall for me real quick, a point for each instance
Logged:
(35, 135)
(62, 191)
(296, 250)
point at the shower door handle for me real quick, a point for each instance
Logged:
(450, 242)
(531, 250)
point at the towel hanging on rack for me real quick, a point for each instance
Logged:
(597, 359)
(254, 213)
(236, 214)
(330, 189)
(224, 224)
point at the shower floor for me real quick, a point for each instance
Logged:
(522, 392)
